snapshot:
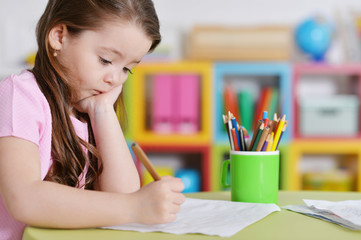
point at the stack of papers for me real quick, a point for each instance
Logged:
(344, 213)
(210, 217)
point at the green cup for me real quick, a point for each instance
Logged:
(254, 176)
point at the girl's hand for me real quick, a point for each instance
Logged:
(99, 103)
(159, 201)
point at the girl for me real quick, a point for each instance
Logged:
(64, 162)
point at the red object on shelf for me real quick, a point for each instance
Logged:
(231, 102)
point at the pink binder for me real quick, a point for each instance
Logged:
(163, 103)
(187, 103)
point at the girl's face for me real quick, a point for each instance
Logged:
(100, 60)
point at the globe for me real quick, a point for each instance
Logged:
(314, 36)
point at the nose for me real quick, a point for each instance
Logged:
(115, 78)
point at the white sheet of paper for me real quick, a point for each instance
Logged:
(323, 215)
(349, 210)
(209, 217)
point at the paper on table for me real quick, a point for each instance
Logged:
(210, 217)
(349, 210)
(344, 213)
(323, 215)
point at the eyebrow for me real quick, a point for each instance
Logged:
(116, 52)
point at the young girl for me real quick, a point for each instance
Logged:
(64, 162)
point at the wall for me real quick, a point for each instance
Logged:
(18, 20)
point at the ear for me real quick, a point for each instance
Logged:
(57, 36)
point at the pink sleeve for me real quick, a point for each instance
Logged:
(21, 109)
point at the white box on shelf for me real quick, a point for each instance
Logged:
(336, 115)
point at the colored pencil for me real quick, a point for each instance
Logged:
(256, 129)
(247, 139)
(225, 121)
(264, 115)
(235, 139)
(241, 136)
(265, 118)
(278, 132)
(283, 130)
(230, 129)
(262, 139)
(270, 142)
(235, 126)
(264, 147)
(258, 137)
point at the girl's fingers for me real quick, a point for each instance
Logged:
(175, 184)
(175, 209)
(179, 199)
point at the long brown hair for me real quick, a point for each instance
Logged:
(68, 156)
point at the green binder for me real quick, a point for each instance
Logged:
(246, 109)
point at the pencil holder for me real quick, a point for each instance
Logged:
(254, 176)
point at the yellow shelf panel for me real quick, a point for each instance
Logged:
(299, 148)
(171, 139)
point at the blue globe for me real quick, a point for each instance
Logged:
(314, 37)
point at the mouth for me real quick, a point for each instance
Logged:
(97, 92)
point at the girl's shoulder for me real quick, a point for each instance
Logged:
(21, 85)
(24, 110)
(25, 79)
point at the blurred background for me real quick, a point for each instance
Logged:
(295, 58)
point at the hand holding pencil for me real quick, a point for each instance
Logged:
(160, 200)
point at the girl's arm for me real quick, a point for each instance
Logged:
(46, 204)
(119, 171)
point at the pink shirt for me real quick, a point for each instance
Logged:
(25, 113)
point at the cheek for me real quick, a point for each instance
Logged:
(124, 80)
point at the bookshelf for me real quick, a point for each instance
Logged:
(325, 151)
(208, 146)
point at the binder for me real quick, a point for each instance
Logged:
(187, 101)
(163, 104)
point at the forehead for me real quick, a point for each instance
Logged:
(121, 36)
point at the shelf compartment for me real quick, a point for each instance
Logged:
(330, 92)
(141, 105)
(252, 77)
(181, 157)
(300, 148)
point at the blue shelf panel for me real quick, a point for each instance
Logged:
(281, 70)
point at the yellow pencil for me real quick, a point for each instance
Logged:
(144, 159)
(278, 132)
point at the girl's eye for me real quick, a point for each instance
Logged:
(127, 70)
(104, 61)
